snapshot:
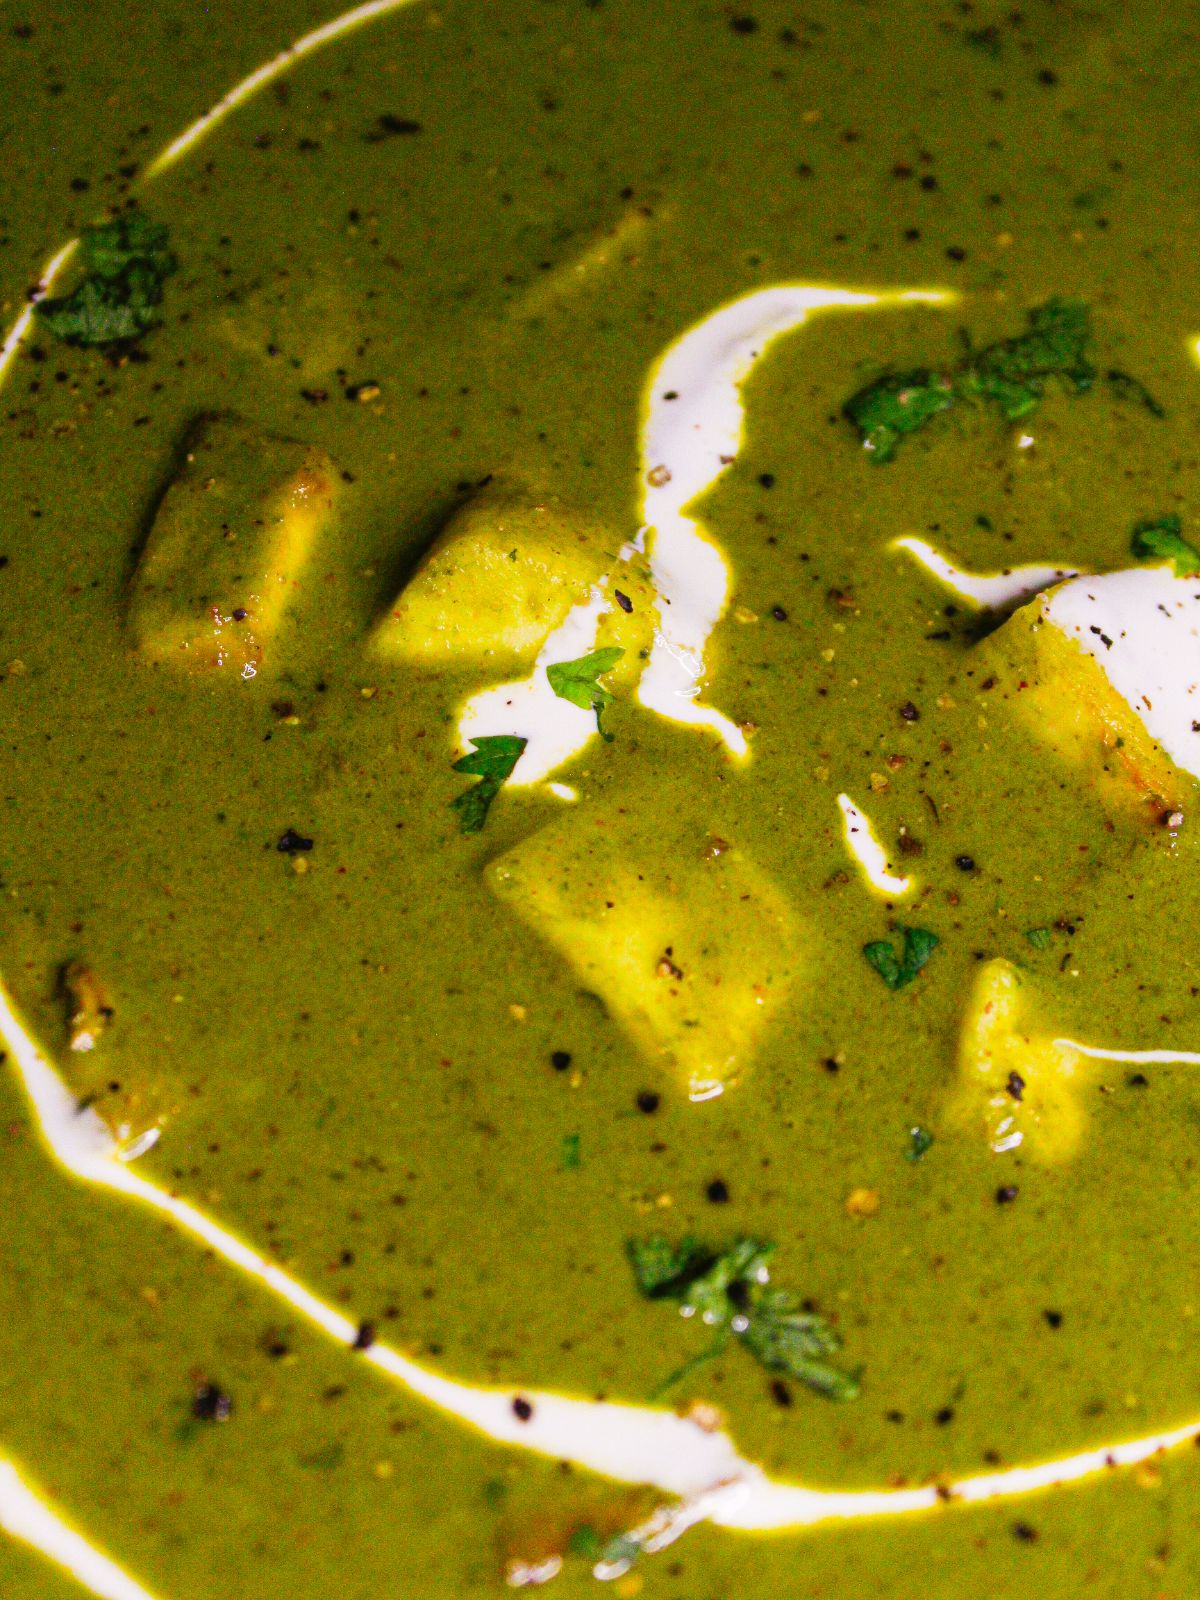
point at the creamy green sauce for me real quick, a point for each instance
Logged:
(360, 1058)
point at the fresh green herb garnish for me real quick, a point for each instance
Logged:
(126, 261)
(729, 1291)
(491, 761)
(919, 1141)
(1039, 938)
(578, 682)
(1126, 387)
(899, 970)
(1011, 374)
(1160, 539)
(896, 404)
(570, 1152)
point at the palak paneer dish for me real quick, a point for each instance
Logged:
(600, 710)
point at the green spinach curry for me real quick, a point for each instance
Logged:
(566, 887)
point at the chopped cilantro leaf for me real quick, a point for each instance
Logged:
(730, 1291)
(1129, 388)
(659, 1266)
(896, 404)
(570, 1152)
(919, 1142)
(578, 682)
(492, 762)
(1012, 372)
(1160, 539)
(1039, 938)
(899, 970)
(126, 262)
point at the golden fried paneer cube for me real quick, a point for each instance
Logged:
(1019, 1085)
(689, 945)
(228, 545)
(1068, 700)
(500, 577)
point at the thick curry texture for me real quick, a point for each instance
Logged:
(451, 248)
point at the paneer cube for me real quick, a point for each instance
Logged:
(689, 946)
(500, 577)
(227, 547)
(1088, 667)
(1020, 1086)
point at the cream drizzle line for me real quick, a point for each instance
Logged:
(12, 341)
(688, 441)
(191, 136)
(634, 1444)
(27, 1516)
(863, 844)
(1136, 1057)
(999, 591)
(697, 1465)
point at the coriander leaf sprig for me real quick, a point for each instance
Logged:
(1161, 539)
(492, 762)
(1010, 373)
(897, 971)
(127, 262)
(579, 682)
(731, 1292)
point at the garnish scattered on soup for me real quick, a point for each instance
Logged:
(600, 708)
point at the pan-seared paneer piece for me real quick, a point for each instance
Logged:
(689, 946)
(1106, 671)
(229, 542)
(630, 619)
(1019, 1085)
(499, 578)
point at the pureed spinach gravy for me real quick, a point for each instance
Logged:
(735, 1057)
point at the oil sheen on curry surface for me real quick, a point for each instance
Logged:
(420, 285)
